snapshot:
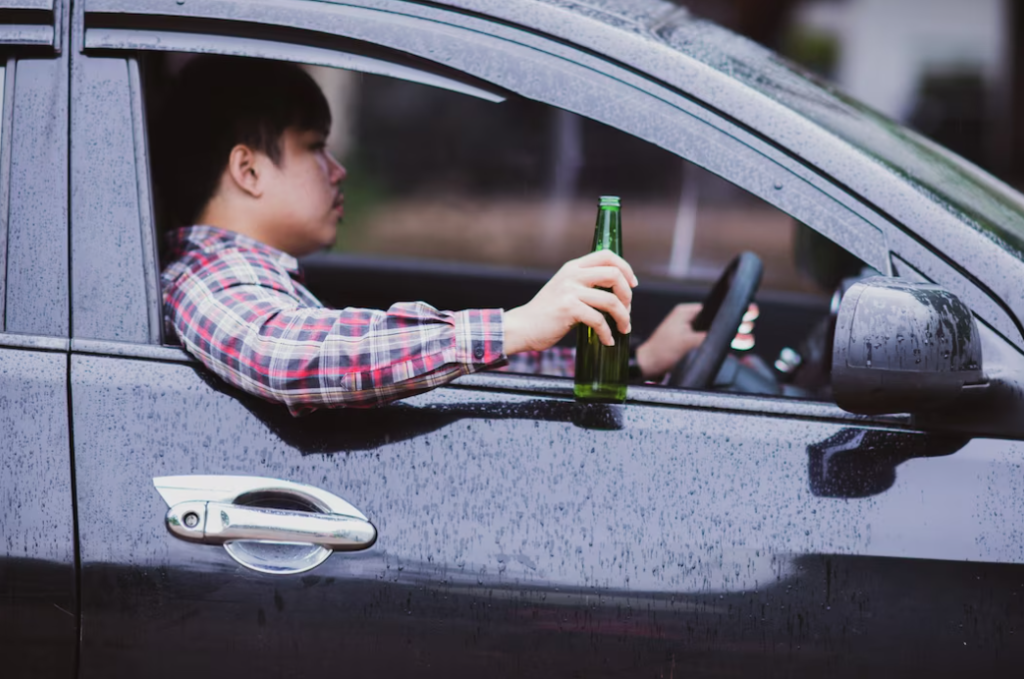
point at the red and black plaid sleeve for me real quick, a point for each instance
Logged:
(235, 307)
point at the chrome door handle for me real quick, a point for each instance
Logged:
(219, 522)
(239, 512)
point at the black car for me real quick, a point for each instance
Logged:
(156, 523)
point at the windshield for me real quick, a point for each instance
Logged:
(975, 197)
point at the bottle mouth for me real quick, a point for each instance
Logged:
(609, 201)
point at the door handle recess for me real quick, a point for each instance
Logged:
(239, 512)
(218, 522)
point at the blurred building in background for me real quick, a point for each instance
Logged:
(949, 69)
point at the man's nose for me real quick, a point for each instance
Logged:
(337, 170)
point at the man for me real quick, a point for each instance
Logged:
(239, 153)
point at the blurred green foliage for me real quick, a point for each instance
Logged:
(364, 195)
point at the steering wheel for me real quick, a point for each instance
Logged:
(721, 316)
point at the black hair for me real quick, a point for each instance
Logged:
(217, 103)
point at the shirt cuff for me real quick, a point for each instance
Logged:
(480, 338)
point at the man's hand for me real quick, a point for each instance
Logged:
(672, 340)
(570, 297)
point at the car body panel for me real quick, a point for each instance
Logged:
(103, 143)
(37, 223)
(526, 534)
(38, 601)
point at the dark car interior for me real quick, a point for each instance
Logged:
(437, 164)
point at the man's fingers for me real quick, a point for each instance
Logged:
(608, 258)
(609, 303)
(608, 277)
(593, 318)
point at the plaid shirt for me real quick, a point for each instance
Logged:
(239, 306)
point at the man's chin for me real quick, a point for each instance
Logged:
(331, 236)
(314, 244)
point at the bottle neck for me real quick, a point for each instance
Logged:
(608, 232)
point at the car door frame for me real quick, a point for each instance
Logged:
(701, 136)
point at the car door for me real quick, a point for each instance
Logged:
(38, 590)
(516, 532)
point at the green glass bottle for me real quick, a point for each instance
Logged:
(602, 371)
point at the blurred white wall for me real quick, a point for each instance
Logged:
(340, 88)
(886, 46)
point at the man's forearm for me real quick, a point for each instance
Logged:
(312, 357)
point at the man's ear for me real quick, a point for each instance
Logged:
(245, 170)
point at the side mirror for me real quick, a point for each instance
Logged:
(903, 347)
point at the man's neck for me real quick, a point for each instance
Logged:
(231, 218)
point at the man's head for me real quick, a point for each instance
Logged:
(240, 144)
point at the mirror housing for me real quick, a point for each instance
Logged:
(903, 347)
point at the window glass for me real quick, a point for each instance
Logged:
(438, 175)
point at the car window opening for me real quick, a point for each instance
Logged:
(461, 202)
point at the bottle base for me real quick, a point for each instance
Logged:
(586, 393)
